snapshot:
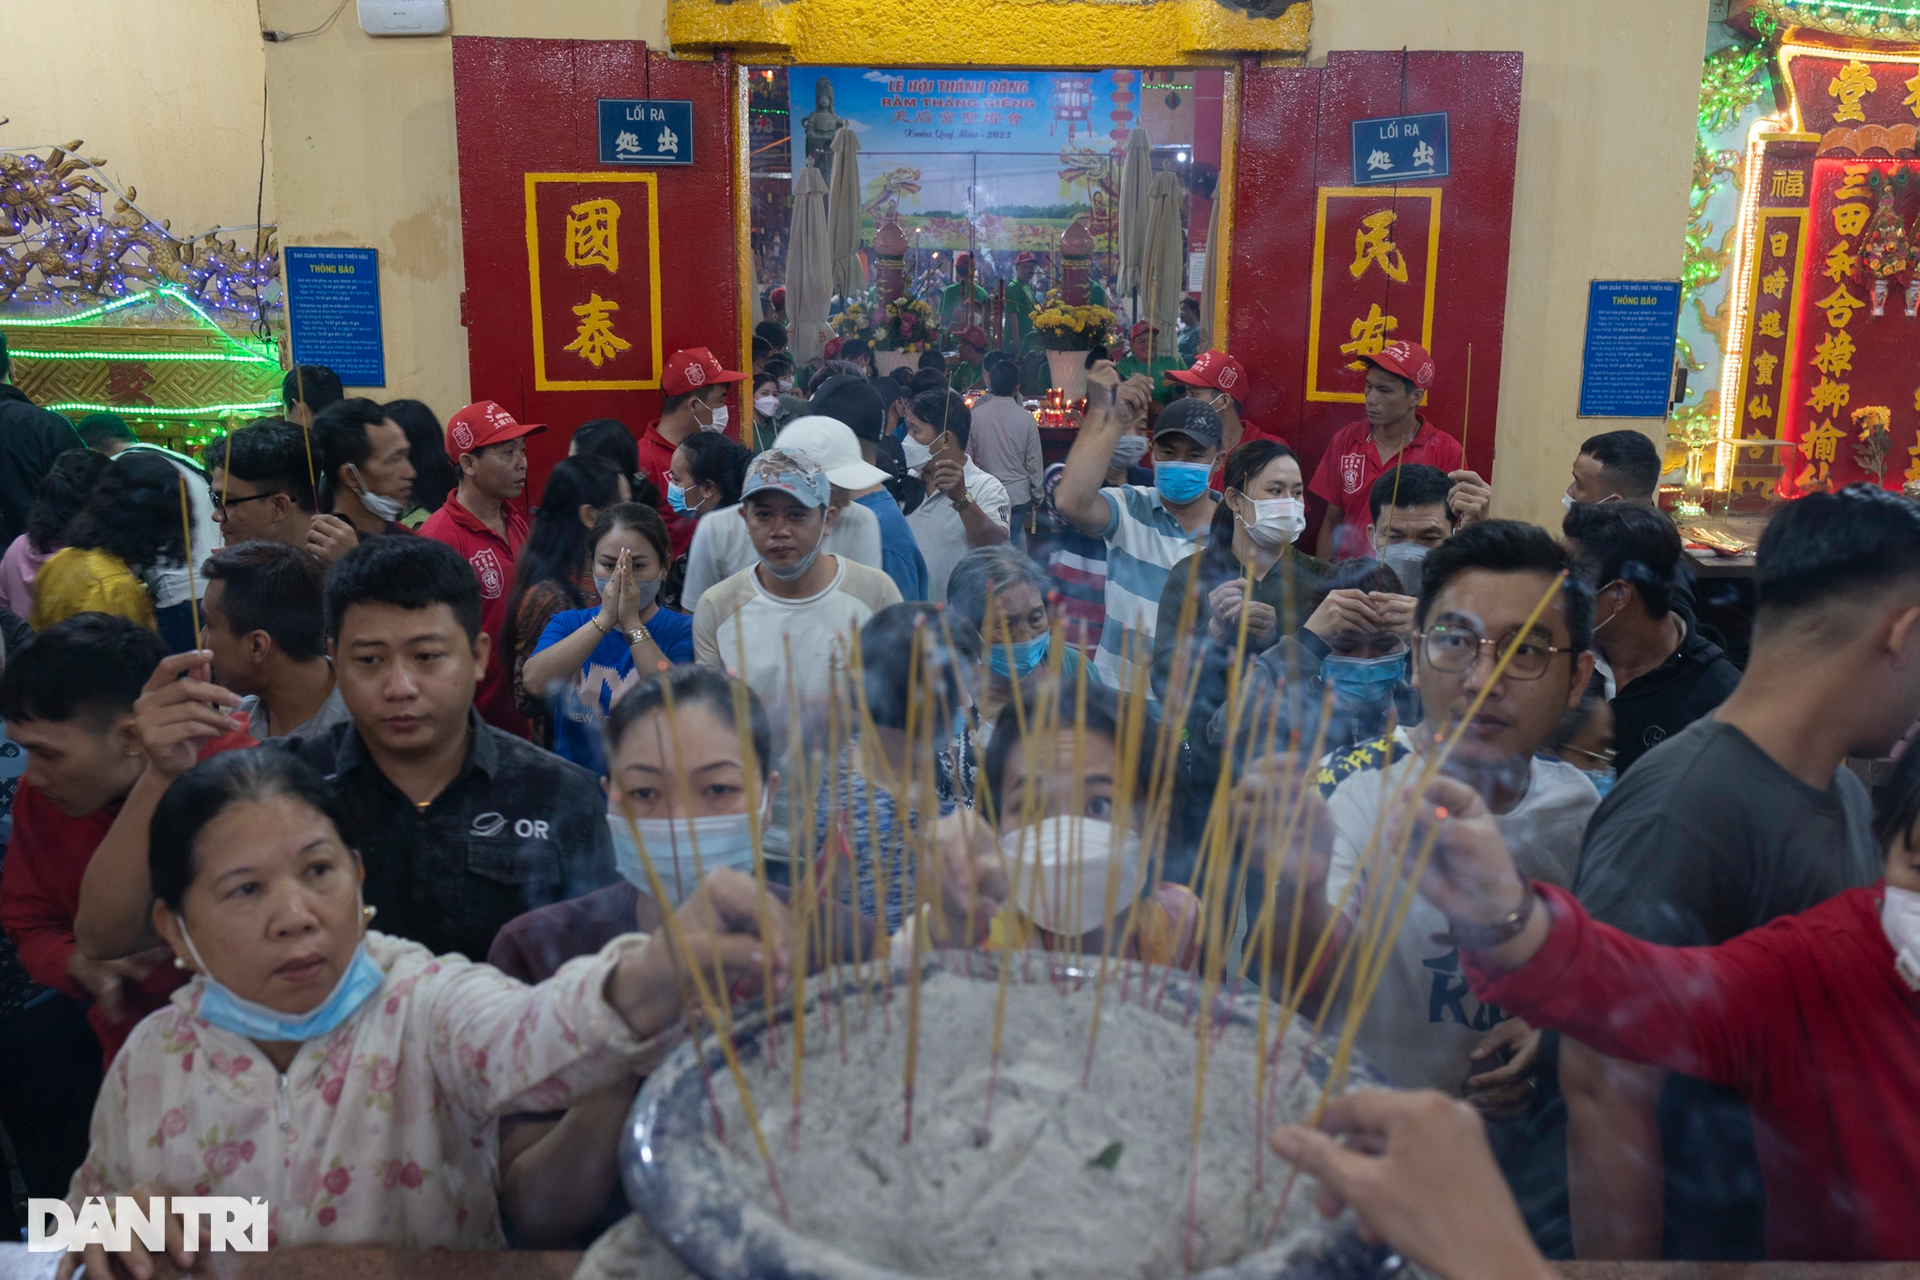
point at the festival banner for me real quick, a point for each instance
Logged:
(999, 160)
(1849, 90)
(593, 265)
(1376, 253)
(1768, 379)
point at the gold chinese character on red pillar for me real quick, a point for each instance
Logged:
(597, 343)
(1777, 242)
(1791, 183)
(1373, 244)
(1834, 354)
(1369, 335)
(1828, 396)
(593, 236)
(1769, 326)
(1840, 263)
(1763, 368)
(1912, 100)
(1839, 306)
(1850, 219)
(1816, 446)
(1774, 283)
(1853, 83)
(1854, 182)
(1760, 406)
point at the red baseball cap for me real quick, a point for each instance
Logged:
(483, 423)
(692, 369)
(1024, 255)
(1141, 329)
(1218, 370)
(1408, 359)
(975, 334)
(778, 297)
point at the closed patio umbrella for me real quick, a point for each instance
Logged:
(1210, 273)
(1161, 284)
(844, 215)
(809, 272)
(1135, 176)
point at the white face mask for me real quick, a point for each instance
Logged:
(1128, 451)
(378, 505)
(1566, 501)
(785, 384)
(718, 422)
(766, 406)
(917, 455)
(1060, 870)
(1276, 521)
(724, 842)
(1900, 918)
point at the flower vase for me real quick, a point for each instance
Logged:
(885, 362)
(1880, 297)
(1913, 297)
(1069, 373)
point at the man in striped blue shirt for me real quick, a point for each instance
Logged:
(1147, 530)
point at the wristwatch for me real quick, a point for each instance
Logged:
(1485, 937)
(639, 635)
(962, 502)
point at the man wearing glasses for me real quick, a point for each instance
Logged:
(1424, 1027)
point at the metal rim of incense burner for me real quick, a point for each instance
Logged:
(677, 1183)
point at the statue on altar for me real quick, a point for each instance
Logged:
(819, 126)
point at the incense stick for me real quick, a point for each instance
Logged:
(186, 547)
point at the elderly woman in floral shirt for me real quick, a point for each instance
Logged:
(353, 1079)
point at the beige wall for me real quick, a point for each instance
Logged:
(1608, 98)
(364, 155)
(167, 92)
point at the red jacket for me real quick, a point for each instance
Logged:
(656, 459)
(40, 896)
(1805, 1016)
(492, 560)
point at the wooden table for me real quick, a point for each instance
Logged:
(439, 1264)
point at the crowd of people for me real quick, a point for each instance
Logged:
(326, 752)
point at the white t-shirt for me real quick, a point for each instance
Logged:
(740, 621)
(722, 547)
(942, 535)
(1423, 1021)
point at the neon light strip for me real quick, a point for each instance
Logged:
(1857, 6)
(148, 411)
(145, 356)
(1749, 225)
(77, 317)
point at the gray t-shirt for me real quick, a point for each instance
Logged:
(332, 712)
(1703, 839)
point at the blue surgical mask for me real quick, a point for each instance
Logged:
(725, 841)
(676, 497)
(1027, 654)
(220, 1007)
(1181, 482)
(1363, 681)
(1602, 779)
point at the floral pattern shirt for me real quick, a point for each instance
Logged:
(385, 1132)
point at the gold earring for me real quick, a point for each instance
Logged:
(367, 913)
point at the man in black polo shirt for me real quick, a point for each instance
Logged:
(461, 827)
(1665, 673)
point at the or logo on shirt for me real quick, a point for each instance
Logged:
(1353, 469)
(463, 435)
(488, 825)
(493, 578)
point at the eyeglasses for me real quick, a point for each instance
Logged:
(1457, 649)
(220, 508)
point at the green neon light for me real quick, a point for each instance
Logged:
(1856, 6)
(77, 317)
(147, 411)
(159, 291)
(145, 356)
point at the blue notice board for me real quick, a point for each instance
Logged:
(333, 306)
(645, 131)
(1628, 368)
(1400, 149)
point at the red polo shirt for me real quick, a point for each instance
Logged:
(492, 560)
(1352, 463)
(656, 459)
(40, 896)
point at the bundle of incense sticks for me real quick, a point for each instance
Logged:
(1252, 832)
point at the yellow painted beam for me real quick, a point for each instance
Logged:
(1000, 33)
